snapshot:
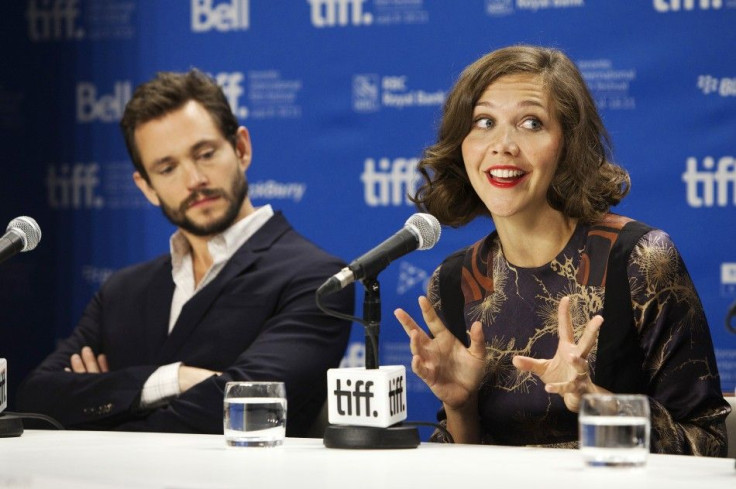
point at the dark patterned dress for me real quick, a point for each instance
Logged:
(518, 310)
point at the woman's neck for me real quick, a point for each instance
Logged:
(536, 241)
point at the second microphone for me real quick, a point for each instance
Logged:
(421, 231)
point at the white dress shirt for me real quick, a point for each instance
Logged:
(163, 384)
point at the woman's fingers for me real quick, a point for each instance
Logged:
(434, 323)
(576, 384)
(565, 329)
(528, 364)
(406, 321)
(564, 321)
(590, 336)
(477, 340)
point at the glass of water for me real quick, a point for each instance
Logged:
(254, 414)
(614, 430)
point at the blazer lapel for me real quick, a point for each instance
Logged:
(193, 311)
(157, 310)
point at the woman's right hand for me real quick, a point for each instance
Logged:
(452, 371)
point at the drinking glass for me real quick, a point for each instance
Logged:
(254, 414)
(614, 430)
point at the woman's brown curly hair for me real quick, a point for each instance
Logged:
(586, 183)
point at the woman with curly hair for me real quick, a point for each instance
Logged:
(564, 297)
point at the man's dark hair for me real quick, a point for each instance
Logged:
(168, 92)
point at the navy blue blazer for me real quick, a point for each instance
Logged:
(257, 320)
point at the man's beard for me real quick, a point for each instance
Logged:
(178, 217)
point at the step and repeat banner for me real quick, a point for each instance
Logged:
(341, 97)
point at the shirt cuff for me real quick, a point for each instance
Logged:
(162, 385)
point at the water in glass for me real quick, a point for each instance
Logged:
(255, 421)
(614, 441)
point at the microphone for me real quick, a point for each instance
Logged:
(22, 234)
(421, 231)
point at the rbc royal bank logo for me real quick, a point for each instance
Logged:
(725, 87)
(711, 182)
(223, 16)
(366, 93)
(73, 186)
(371, 92)
(106, 107)
(389, 182)
(677, 5)
(728, 279)
(339, 13)
(53, 20)
(499, 7)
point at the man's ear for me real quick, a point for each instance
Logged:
(146, 189)
(243, 148)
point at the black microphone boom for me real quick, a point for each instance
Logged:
(22, 234)
(421, 231)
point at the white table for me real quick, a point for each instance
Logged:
(83, 459)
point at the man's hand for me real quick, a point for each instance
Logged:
(191, 376)
(87, 363)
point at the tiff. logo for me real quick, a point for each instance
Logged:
(352, 398)
(710, 185)
(675, 5)
(331, 13)
(73, 186)
(395, 398)
(53, 20)
(232, 87)
(389, 182)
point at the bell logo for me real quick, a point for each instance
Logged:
(390, 182)
(676, 5)
(106, 108)
(710, 186)
(331, 13)
(53, 20)
(232, 15)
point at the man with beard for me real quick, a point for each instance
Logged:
(234, 299)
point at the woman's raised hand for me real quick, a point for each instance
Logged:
(452, 371)
(567, 372)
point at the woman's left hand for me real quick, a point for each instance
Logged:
(567, 372)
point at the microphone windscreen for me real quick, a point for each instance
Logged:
(427, 227)
(27, 229)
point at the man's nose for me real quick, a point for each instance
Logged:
(195, 177)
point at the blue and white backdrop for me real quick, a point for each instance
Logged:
(340, 97)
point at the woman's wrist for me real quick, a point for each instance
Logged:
(463, 421)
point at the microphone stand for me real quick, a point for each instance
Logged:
(372, 318)
(346, 436)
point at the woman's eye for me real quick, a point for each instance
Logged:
(532, 123)
(483, 123)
